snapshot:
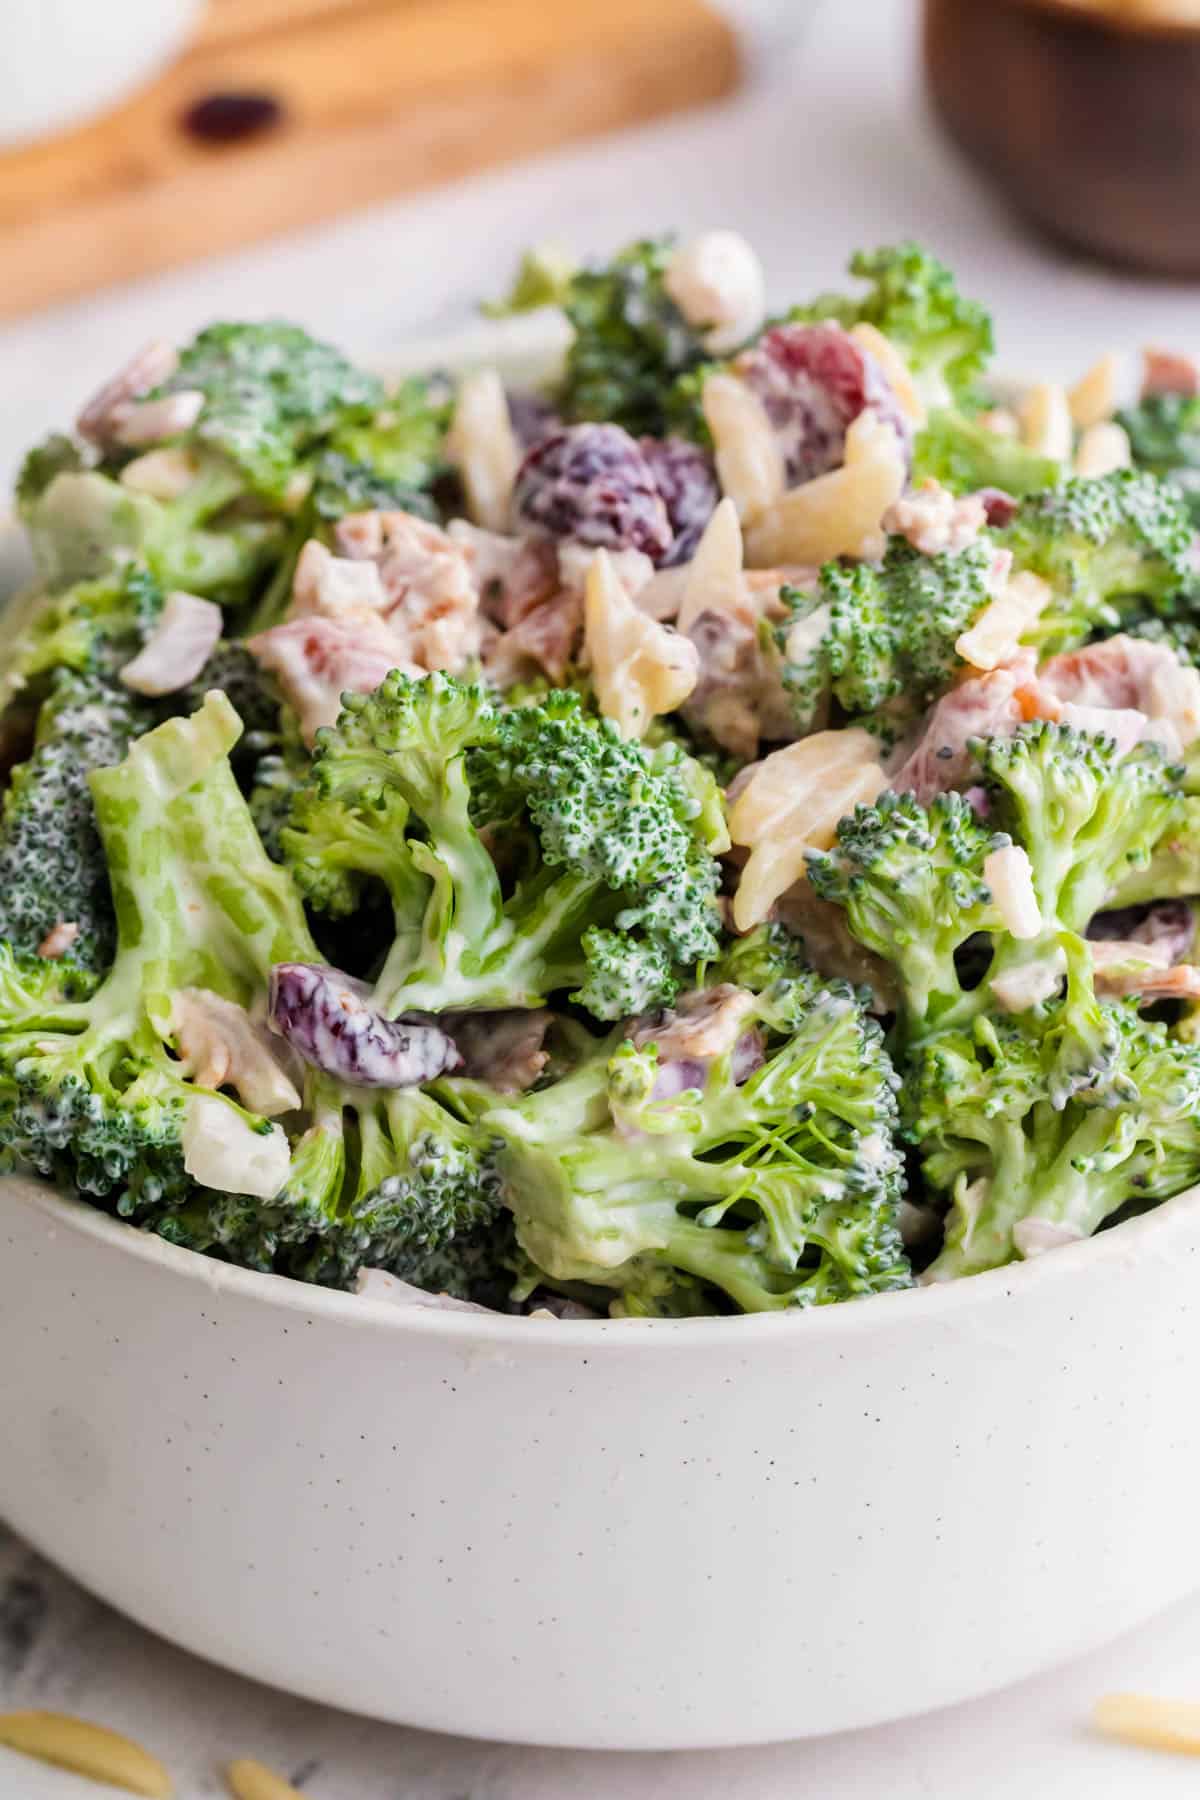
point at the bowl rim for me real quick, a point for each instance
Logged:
(1107, 22)
(915, 1308)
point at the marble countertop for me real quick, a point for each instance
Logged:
(830, 150)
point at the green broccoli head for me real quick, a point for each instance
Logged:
(1099, 542)
(965, 455)
(52, 865)
(913, 299)
(1164, 434)
(271, 393)
(1087, 817)
(95, 1096)
(632, 348)
(1027, 1160)
(387, 1180)
(885, 630)
(614, 891)
(777, 1190)
(911, 880)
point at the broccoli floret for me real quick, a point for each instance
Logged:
(1164, 434)
(913, 299)
(913, 883)
(52, 867)
(391, 459)
(615, 893)
(271, 393)
(1099, 542)
(1087, 818)
(1172, 871)
(631, 344)
(240, 677)
(85, 526)
(779, 1192)
(94, 1097)
(964, 455)
(387, 1180)
(55, 455)
(543, 278)
(1017, 1156)
(886, 630)
(93, 628)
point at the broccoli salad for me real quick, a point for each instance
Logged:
(715, 832)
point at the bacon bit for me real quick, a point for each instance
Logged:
(935, 521)
(512, 574)
(1093, 399)
(990, 705)
(1001, 421)
(830, 947)
(334, 587)
(546, 638)
(58, 939)
(1124, 967)
(317, 660)
(632, 568)
(1168, 372)
(107, 408)
(1132, 673)
(185, 636)
(505, 1049)
(432, 604)
(1123, 724)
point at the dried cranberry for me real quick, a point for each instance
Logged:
(592, 483)
(687, 480)
(814, 381)
(230, 116)
(1000, 508)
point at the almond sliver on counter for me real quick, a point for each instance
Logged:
(88, 1750)
(250, 1780)
(1154, 1724)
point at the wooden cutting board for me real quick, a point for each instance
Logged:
(374, 97)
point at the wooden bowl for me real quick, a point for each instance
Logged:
(1088, 123)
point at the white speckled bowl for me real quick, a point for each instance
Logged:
(623, 1535)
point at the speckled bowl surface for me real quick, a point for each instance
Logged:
(628, 1534)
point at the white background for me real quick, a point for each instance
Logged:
(830, 151)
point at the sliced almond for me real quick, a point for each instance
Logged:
(1154, 1724)
(791, 804)
(1103, 448)
(749, 460)
(250, 1780)
(86, 1749)
(714, 576)
(640, 668)
(163, 474)
(483, 445)
(1093, 399)
(896, 369)
(838, 514)
(1045, 419)
(1009, 874)
(995, 636)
